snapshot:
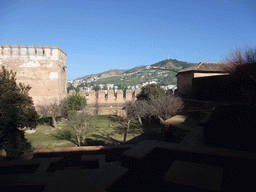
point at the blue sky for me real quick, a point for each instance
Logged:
(99, 35)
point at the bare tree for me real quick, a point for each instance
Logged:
(163, 108)
(97, 106)
(57, 107)
(127, 125)
(131, 121)
(242, 69)
(53, 109)
(239, 57)
(82, 123)
(137, 110)
(134, 112)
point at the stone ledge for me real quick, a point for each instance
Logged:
(194, 174)
(89, 162)
(192, 144)
(86, 150)
(24, 179)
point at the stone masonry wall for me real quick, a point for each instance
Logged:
(107, 104)
(44, 70)
(102, 98)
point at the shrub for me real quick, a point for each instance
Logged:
(76, 102)
(43, 120)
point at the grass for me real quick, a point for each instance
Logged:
(43, 137)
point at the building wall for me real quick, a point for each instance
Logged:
(184, 79)
(208, 74)
(107, 104)
(42, 68)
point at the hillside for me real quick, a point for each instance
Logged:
(163, 72)
(173, 64)
(109, 73)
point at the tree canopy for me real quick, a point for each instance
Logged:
(151, 91)
(16, 112)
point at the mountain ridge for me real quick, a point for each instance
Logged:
(168, 65)
(163, 73)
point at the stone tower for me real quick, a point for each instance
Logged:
(41, 68)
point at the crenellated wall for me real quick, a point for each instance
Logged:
(32, 53)
(43, 68)
(107, 104)
(101, 97)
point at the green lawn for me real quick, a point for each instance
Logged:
(43, 137)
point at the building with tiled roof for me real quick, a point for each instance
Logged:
(203, 69)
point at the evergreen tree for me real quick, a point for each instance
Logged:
(16, 112)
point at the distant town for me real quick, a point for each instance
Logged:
(162, 73)
(76, 83)
(145, 75)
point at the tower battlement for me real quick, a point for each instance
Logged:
(43, 68)
(31, 53)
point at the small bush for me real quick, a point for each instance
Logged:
(44, 120)
(76, 102)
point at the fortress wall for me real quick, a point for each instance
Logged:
(101, 98)
(92, 97)
(105, 109)
(44, 70)
(128, 95)
(136, 93)
(107, 104)
(110, 97)
(120, 96)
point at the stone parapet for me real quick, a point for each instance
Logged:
(31, 53)
(108, 97)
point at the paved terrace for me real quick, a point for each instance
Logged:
(148, 166)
